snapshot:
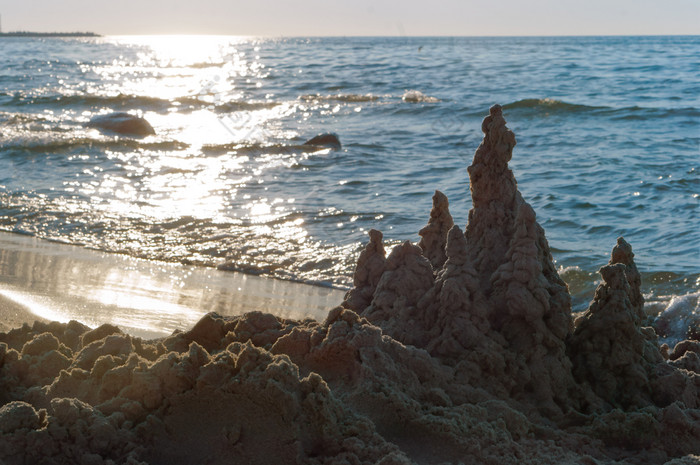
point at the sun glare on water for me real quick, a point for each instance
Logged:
(220, 144)
(208, 115)
(184, 50)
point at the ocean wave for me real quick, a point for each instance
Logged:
(643, 113)
(274, 149)
(411, 96)
(207, 64)
(549, 105)
(241, 105)
(50, 145)
(581, 283)
(121, 101)
(134, 102)
(229, 245)
(243, 148)
(679, 319)
(14, 119)
(348, 98)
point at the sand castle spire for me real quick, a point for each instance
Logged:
(458, 318)
(368, 271)
(495, 286)
(529, 303)
(610, 349)
(434, 234)
(495, 197)
(397, 302)
(622, 253)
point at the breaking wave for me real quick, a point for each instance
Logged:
(132, 102)
(553, 106)
(349, 98)
(51, 145)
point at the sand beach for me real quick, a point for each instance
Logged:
(14, 315)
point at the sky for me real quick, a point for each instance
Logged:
(355, 17)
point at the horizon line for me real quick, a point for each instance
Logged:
(98, 34)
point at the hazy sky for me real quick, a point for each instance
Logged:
(355, 17)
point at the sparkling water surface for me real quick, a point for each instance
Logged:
(608, 132)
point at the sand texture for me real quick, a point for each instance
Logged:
(461, 349)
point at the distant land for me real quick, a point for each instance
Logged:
(48, 34)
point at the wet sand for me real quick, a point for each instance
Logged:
(14, 315)
(43, 280)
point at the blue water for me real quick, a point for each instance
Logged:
(608, 132)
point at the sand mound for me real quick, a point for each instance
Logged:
(461, 349)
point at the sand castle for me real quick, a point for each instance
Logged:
(461, 349)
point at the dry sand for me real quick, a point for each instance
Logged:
(462, 349)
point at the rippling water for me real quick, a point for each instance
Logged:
(608, 134)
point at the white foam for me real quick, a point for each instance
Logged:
(680, 314)
(416, 96)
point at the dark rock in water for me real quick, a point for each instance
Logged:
(328, 139)
(122, 123)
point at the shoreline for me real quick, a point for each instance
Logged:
(45, 280)
(13, 315)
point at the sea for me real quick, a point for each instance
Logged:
(607, 129)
